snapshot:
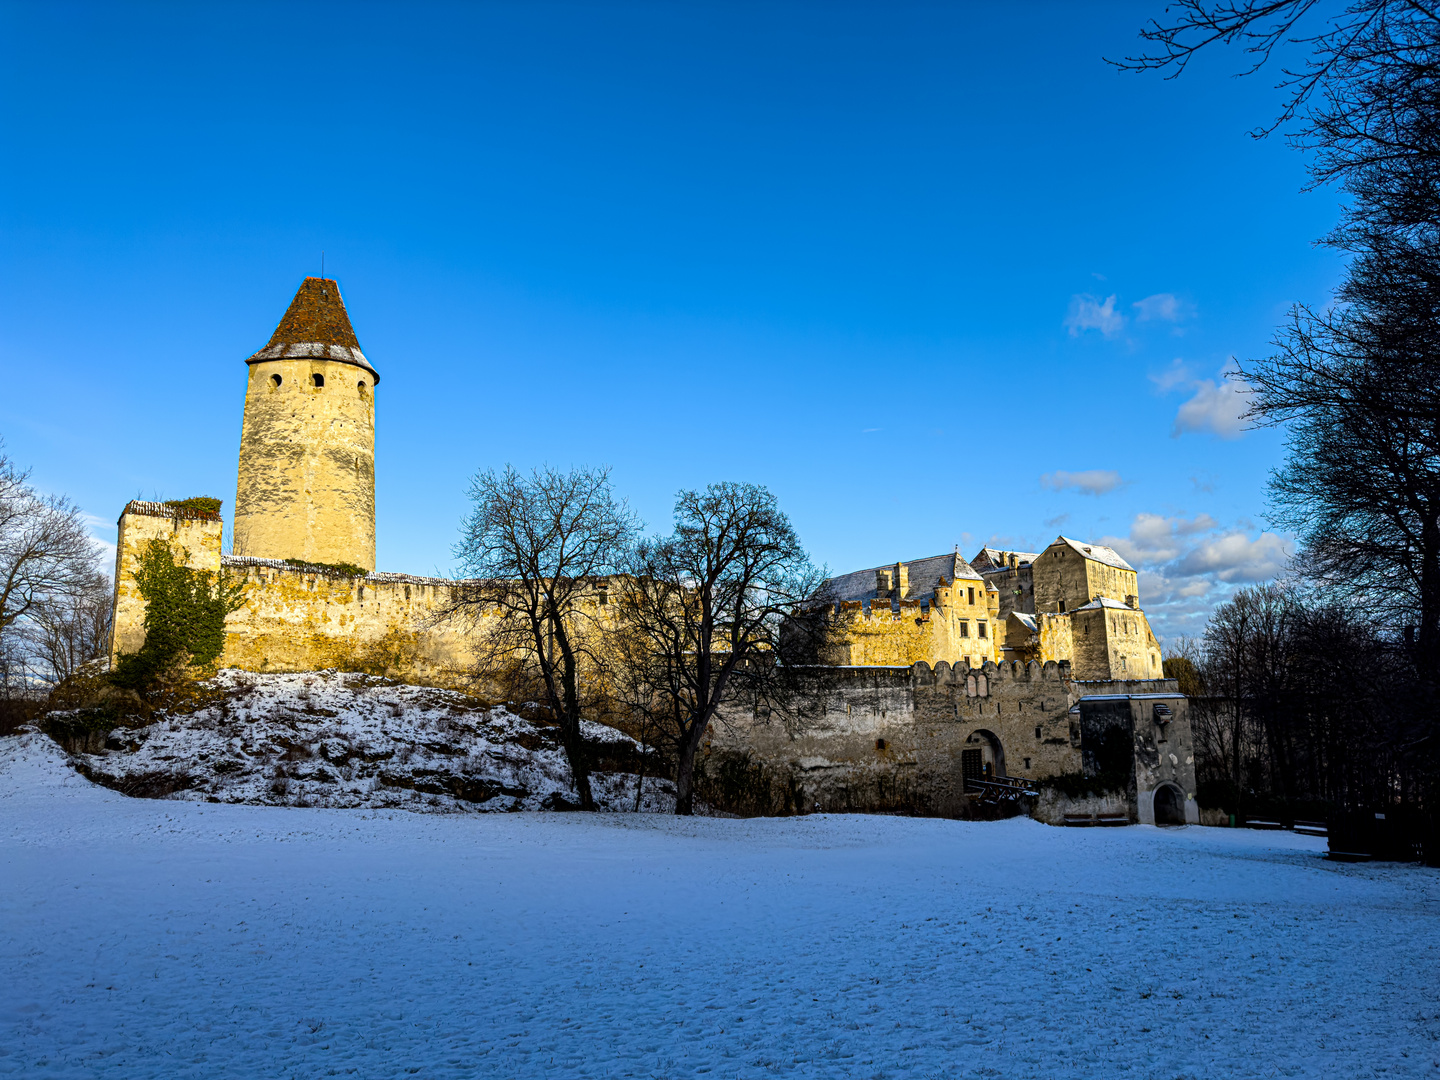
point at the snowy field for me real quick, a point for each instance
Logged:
(181, 939)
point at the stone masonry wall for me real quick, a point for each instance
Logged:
(194, 536)
(891, 738)
(947, 628)
(307, 463)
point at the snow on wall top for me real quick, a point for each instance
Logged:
(375, 576)
(168, 510)
(1105, 602)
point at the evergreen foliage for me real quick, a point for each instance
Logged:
(202, 504)
(185, 613)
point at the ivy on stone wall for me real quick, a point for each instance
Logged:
(185, 613)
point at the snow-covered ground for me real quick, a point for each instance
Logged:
(144, 938)
(332, 739)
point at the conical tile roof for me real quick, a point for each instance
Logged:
(316, 326)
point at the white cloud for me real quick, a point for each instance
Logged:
(1155, 538)
(1091, 313)
(1216, 407)
(1163, 307)
(1088, 482)
(1235, 558)
(1188, 565)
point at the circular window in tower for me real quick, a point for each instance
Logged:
(275, 381)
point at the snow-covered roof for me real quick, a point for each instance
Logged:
(1105, 602)
(1098, 552)
(1027, 621)
(925, 575)
(994, 559)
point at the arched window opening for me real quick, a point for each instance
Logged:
(275, 381)
(361, 387)
(317, 380)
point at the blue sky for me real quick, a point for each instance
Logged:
(936, 275)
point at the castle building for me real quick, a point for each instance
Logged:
(1073, 602)
(1012, 664)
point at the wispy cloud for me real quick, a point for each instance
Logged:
(1091, 313)
(1088, 482)
(1217, 407)
(1162, 307)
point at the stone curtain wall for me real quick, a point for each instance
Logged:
(301, 618)
(305, 619)
(892, 738)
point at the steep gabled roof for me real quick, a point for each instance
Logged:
(1098, 552)
(315, 326)
(990, 557)
(925, 575)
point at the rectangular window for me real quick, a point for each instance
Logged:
(964, 629)
(982, 629)
(1027, 763)
(972, 596)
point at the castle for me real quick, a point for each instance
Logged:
(1003, 670)
(1073, 602)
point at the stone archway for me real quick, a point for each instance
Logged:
(982, 757)
(1169, 805)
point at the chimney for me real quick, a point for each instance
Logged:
(882, 583)
(902, 580)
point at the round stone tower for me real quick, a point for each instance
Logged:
(307, 445)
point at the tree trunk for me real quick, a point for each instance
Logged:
(685, 767)
(579, 759)
(1427, 658)
(685, 779)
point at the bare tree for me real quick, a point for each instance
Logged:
(702, 611)
(537, 550)
(71, 628)
(46, 553)
(1358, 390)
(1364, 102)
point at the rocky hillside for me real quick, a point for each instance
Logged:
(342, 740)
